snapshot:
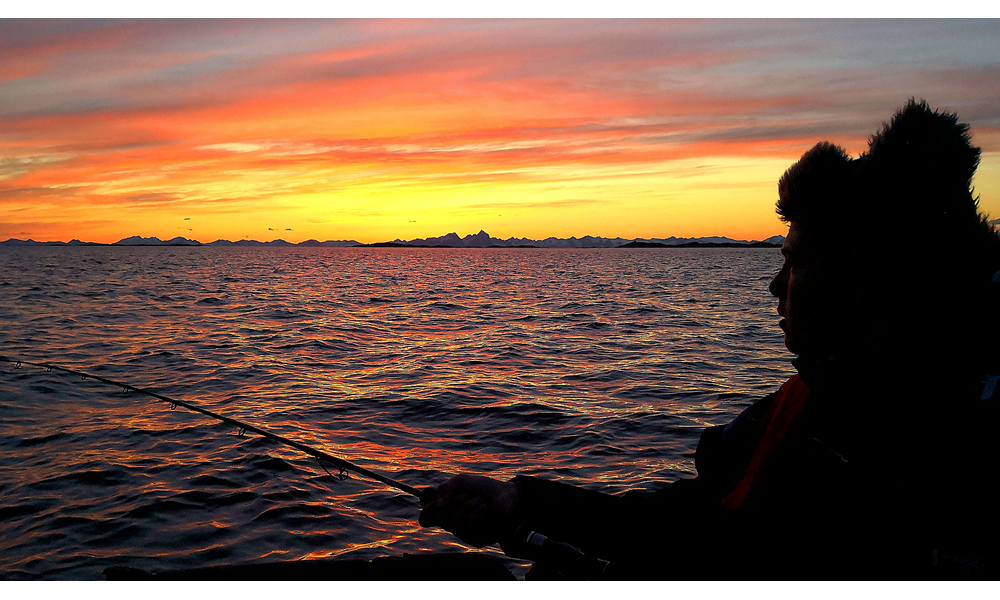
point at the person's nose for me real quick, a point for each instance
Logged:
(779, 285)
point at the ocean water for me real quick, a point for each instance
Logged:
(598, 367)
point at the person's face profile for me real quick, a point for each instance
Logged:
(802, 299)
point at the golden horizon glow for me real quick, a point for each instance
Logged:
(373, 131)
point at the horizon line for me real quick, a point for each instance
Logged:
(186, 241)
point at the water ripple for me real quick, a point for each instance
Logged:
(594, 366)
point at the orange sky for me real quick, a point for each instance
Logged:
(375, 130)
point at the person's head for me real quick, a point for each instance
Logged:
(887, 252)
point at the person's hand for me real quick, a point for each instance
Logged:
(478, 510)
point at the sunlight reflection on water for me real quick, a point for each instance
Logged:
(591, 366)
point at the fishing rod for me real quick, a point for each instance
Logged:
(319, 455)
(567, 560)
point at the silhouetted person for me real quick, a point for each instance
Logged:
(878, 459)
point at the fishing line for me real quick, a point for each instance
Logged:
(242, 427)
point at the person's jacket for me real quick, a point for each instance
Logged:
(844, 473)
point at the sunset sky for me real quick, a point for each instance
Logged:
(380, 129)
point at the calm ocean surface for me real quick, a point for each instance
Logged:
(600, 367)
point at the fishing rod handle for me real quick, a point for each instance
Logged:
(559, 558)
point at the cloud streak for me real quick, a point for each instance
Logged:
(156, 119)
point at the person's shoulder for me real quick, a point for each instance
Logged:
(722, 448)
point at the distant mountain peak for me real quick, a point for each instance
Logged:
(137, 240)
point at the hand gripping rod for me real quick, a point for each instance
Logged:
(342, 464)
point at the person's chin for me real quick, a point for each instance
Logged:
(790, 342)
(783, 324)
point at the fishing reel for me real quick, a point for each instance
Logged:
(552, 560)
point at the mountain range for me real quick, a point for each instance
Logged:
(451, 240)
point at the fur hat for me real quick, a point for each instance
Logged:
(925, 144)
(812, 189)
(915, 180)
(918, 170)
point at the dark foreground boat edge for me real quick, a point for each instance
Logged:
(448, 566)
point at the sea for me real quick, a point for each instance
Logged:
(595, 367)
